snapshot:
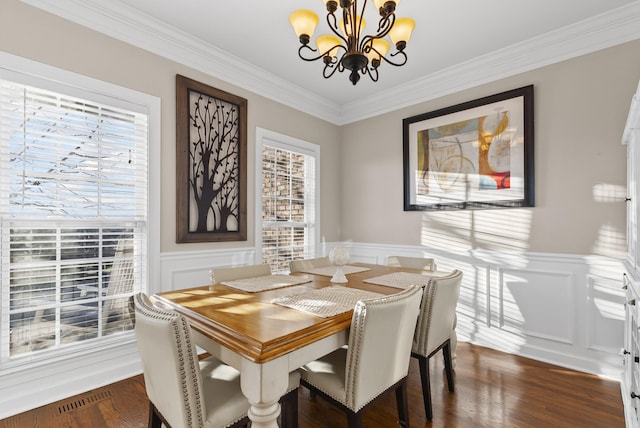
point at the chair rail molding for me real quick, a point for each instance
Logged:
(191, 268)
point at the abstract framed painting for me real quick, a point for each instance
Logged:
(211, 164)
(474, 155)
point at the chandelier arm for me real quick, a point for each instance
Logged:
(370, 72)
(347, 22)
(368, 48)
(333, 26)
(330, 69)
(310, 49)
(385, 24)
(358, 22)
(397, 64)
(388, 22)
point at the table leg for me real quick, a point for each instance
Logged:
(263, 385)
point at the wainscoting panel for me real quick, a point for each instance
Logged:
(191, 269)
(525, 307)
(603, 313)
(564, 309)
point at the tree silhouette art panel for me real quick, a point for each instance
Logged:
(211, 133)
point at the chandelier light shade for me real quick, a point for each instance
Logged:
(350, 47)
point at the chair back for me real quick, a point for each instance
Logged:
(412, 262)
(170, 364)
(308, 264)
(437, 313)
(115, 313)
(380, 345)
(239, 272)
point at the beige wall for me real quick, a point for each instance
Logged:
(580, 110)
(33, 34)
(581, 107)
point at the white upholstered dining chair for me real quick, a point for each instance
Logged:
(434, 330)
(412, 262)
(186, 392)
(308, 264)
(376, 359)
(239, 272)
(430, 265)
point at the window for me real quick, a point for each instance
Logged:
(287, 229)
(74, 220)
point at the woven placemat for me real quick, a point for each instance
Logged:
(326, 302)
(266, 282)
(404, 279)
(331, 270)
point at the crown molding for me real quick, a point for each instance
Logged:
(124, 23)
(610, 29)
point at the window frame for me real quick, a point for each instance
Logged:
(33, 73)
(285, 142)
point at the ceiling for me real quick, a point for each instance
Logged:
(456, 44)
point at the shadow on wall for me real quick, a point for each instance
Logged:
(518, 301)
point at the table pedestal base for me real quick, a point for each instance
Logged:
(264, 416)
(263, 385)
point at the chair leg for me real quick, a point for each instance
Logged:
(448, 366)
(402, 404)
(289, 408)
(154, 417)
(354, 419)
(423, 362)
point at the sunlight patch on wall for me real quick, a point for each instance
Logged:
(606, 299)
(525, 292)
(609, 309)
(609, 193)
(513, 260)
(464, 230)
(606, 268)
(477, 308)
(610, 242)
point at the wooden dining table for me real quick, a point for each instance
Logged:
(266, 341)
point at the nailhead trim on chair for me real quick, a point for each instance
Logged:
(151, 312)
(425, 316)
(359, 312)
(357, 326)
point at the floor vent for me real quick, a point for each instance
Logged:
(85, 401)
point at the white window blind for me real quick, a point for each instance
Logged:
(288, 206)
(73, 218)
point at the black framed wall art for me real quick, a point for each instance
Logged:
(478, 154)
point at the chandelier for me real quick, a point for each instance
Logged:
(347, 48)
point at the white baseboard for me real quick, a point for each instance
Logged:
(25, 388)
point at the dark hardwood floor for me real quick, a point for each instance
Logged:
(493, 389)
